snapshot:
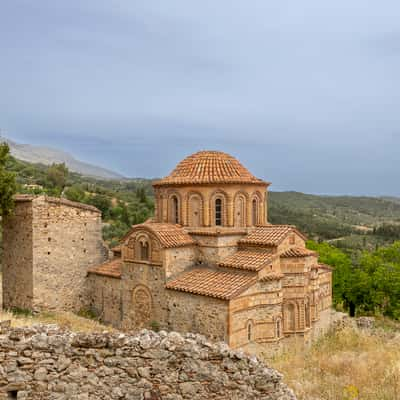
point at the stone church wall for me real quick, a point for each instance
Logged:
(50, 364)
(105, 298)
(188, 312)
(143, 295)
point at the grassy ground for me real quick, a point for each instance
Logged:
(66, 320)
(346, 365)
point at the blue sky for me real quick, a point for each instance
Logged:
(305, 93)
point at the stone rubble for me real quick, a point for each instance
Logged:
(46, 362)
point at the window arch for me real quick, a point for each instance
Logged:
(290, 317)
(174, 210)
(144, 250)
(278, 328)
(307, 313)
(240, 212)
(254, 212)
(218, 211)
(195, 209)
(249, 331)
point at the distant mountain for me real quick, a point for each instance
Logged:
(48, 156)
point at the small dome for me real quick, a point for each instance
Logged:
(208, 167)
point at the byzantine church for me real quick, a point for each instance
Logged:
(209, 262)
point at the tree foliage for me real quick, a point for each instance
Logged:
(367, 284)
(7, 182)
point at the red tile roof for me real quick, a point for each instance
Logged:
(298, 252)
(209, 167)
(252, 260)
(169, 235)
(218, 284)
(111, 269)
(269, 235)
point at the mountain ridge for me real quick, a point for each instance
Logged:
(48, 155)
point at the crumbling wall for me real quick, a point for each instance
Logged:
(44, 362)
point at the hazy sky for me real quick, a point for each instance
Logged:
(305, 93)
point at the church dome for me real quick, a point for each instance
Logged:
(209, 167)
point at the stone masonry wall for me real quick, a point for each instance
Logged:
(18, 258)
(66, 242)
(193, 313)
(44, 362)
(105, 298)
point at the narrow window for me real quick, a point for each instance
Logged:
(254, 212)
(144, 251)
(249, 332)
(278, 328)
(175, 210)
(218, 212)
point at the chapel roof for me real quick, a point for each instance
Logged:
(110, 268)
(169, 235)
(212, 283)
(252, 260)
(298, 252)
(269, 235)
(209, 167)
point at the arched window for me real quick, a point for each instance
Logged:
(290, 317)
(254, 211)
(278, 328)
(249, 331)
(307, 314)
(218, 212)
(174, 210)
(144, 250)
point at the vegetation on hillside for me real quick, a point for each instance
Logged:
(7, 182)
(350, 364)
(365, 283)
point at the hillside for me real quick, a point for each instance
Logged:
(48, 156)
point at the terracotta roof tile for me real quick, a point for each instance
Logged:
(272, 277)
(218, 284)
(206, 167)
(111, 268)
(298, 252)
(269, 235)
(169, 235)
(252, 260)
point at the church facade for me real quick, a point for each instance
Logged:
(208, 262)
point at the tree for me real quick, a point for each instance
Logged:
(8, 185)
(103, 203)
(57, 175)
(75, 193)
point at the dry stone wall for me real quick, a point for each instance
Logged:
(44, 362)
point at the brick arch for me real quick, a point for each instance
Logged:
(219, 194)
(132, 246)
(240, 206)
(290, 316)
(195, 210)
(256, 208)
(171, 212)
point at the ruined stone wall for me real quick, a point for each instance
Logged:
(67, 240)
(18, 258)
(192, 313)
(47, 363)
(105, 298)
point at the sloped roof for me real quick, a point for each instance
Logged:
(169, 235)
(209, 167)
(269, 235)
(298, 252)
(111, 269)
(252, 260)
(212, 283)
